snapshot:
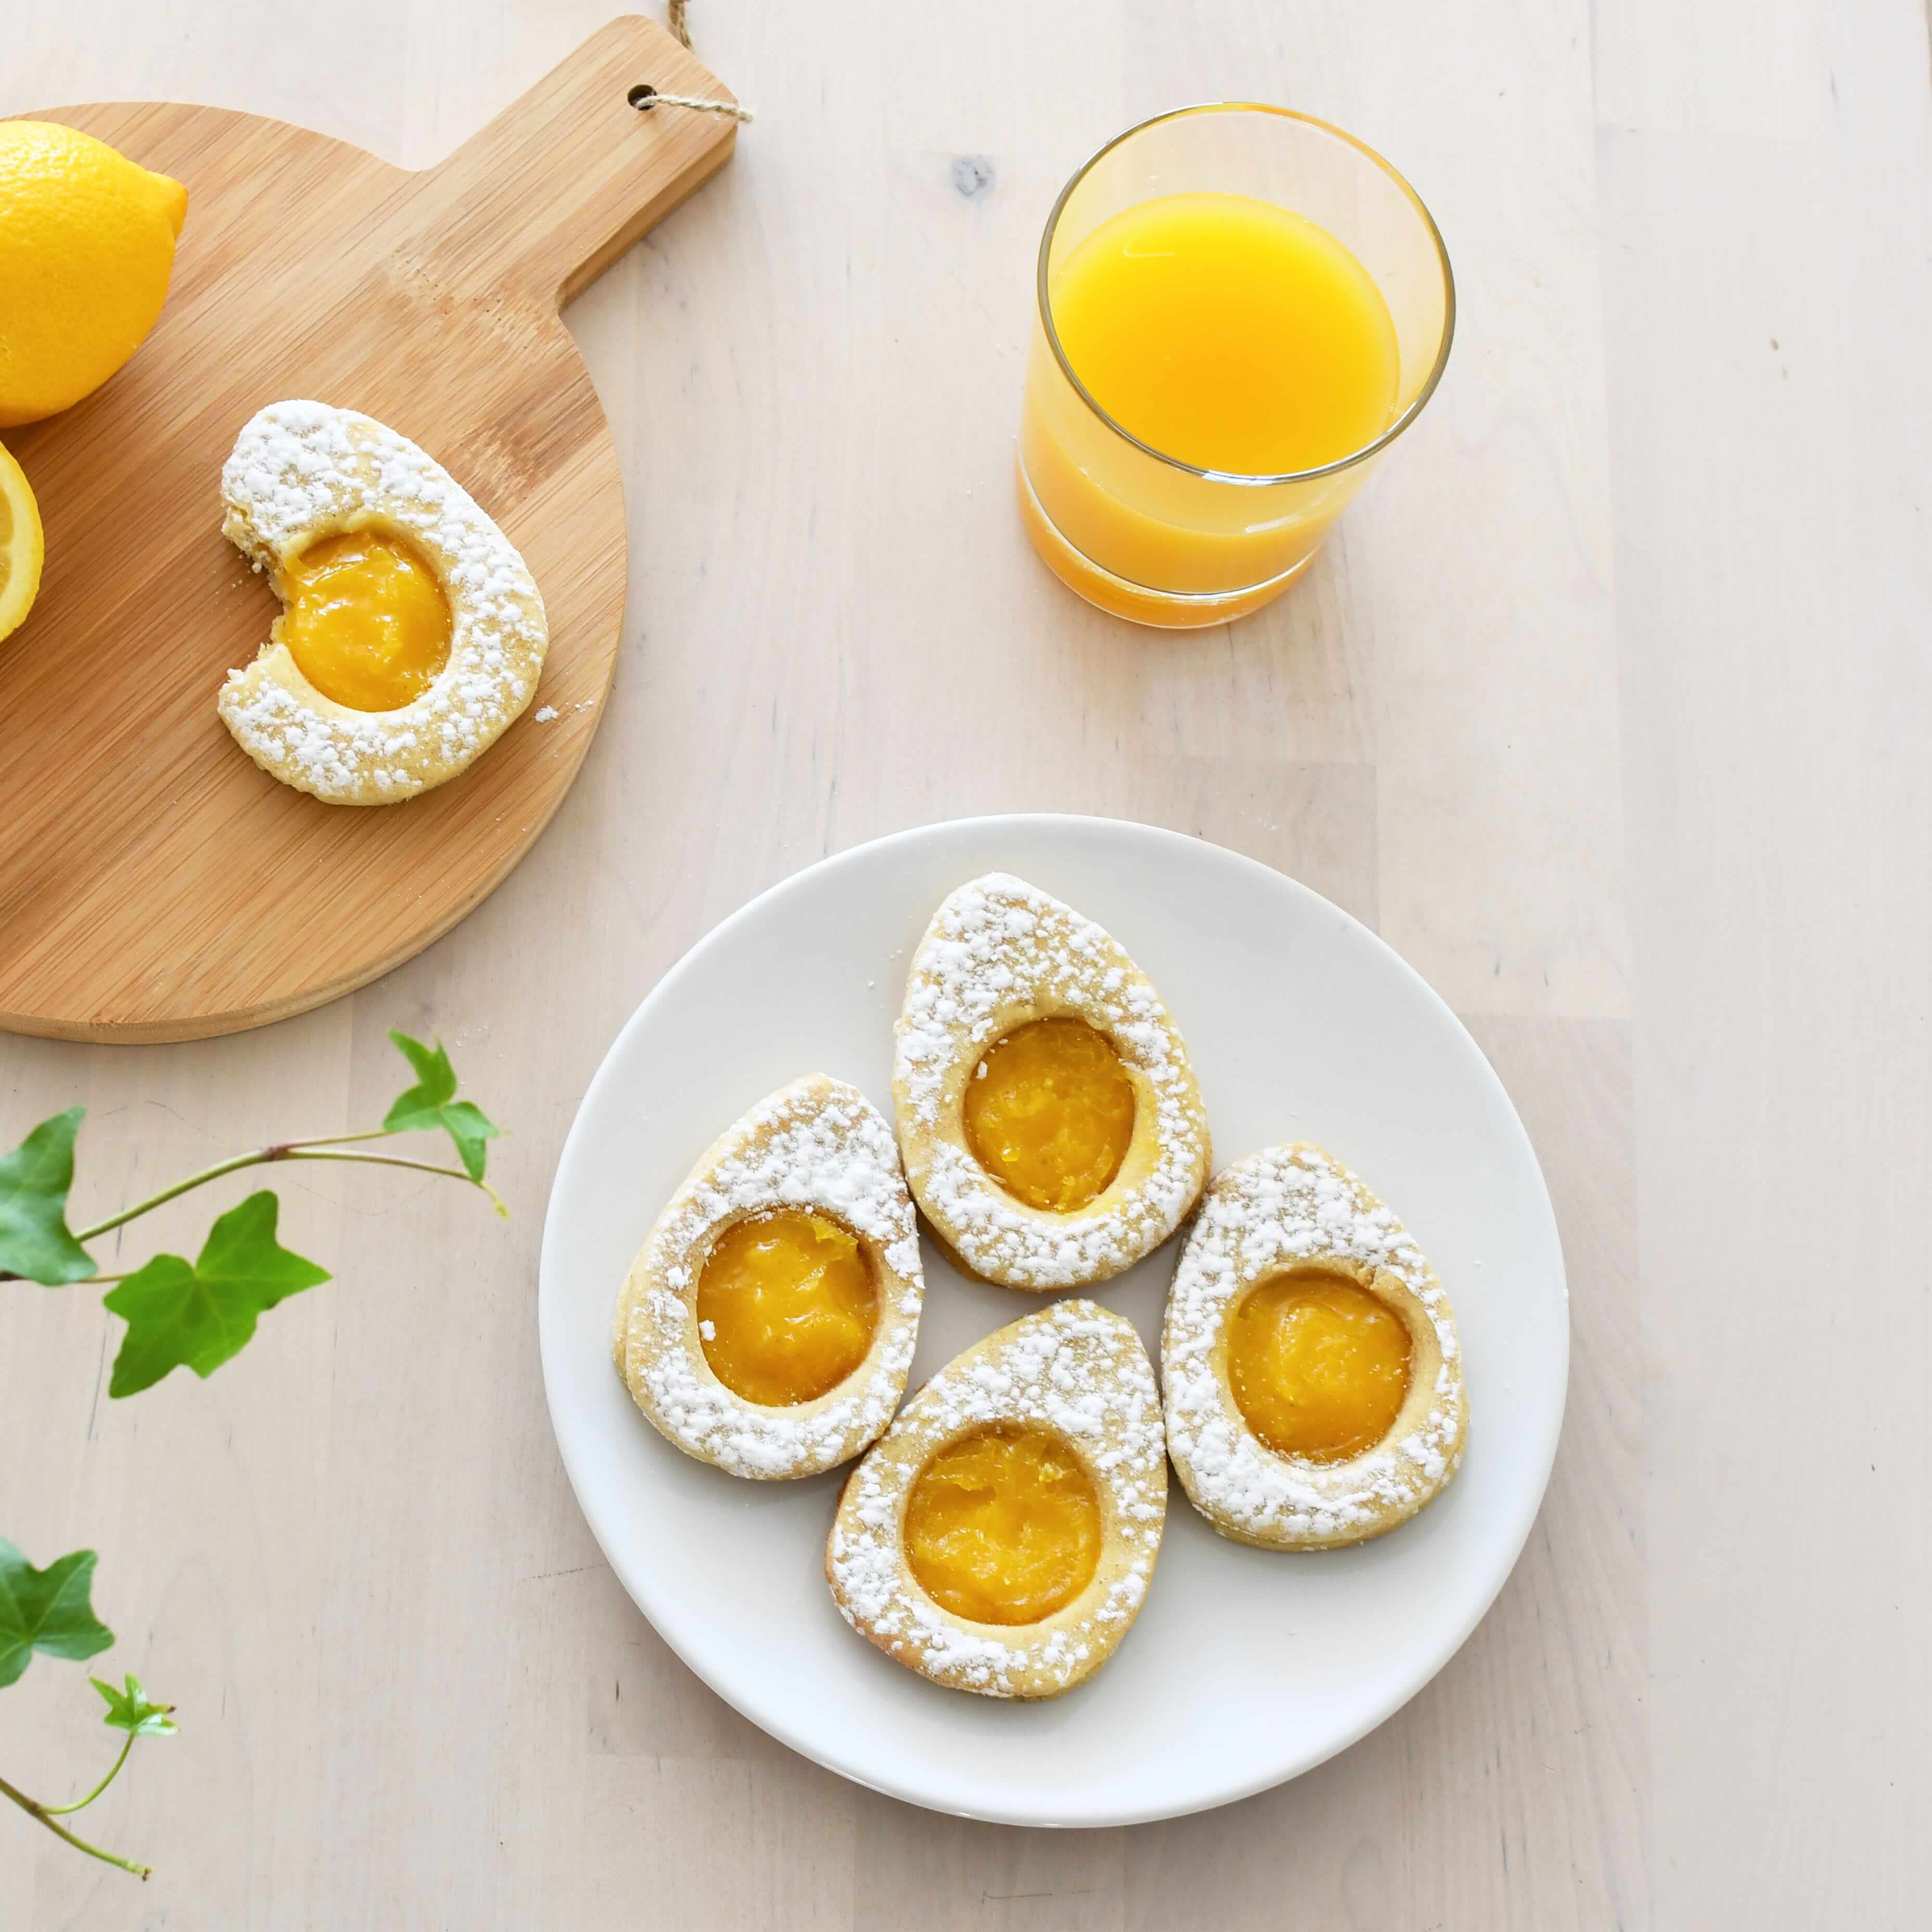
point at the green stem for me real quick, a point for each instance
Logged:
(34, 1809)
(153, 1200)
(420, 1166)
(81, 1803)
(283, 1150)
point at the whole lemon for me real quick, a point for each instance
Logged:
(87, 240)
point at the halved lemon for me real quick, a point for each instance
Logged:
(22, 547)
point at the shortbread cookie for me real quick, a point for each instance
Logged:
(1313, 1371)
(768, 1323)
(1000, 1537)
(336, 509)
(1050, 1123)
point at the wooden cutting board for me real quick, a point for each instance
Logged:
(153, 884)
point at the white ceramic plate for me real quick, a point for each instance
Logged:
(1245, 1667)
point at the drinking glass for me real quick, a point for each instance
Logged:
(1140, 532)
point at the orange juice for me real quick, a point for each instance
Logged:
(1232, 334)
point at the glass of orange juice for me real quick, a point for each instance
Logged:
(1240, 309)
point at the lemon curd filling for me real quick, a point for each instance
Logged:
(1319, 1366)
(1003, 1527)
(367, 622)
(786, 1307)
(1049, 1114)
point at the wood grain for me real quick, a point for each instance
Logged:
(1765, 286)
(153, 884)
(1608, 706)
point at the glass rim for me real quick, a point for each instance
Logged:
(1341, 462)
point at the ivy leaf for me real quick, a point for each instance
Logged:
(35, 1242)
(130, 1710)
(47, 1610)
(179, 1316)
(432, 1102)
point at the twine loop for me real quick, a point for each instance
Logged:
(644, 97)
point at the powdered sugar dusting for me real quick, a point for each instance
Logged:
(1287, 1204)
(302, 470)
(817, 1144)
(998, 953)
(1077, 1369)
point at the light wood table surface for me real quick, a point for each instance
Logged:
(1608, 707)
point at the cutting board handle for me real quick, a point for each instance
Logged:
(584, 173)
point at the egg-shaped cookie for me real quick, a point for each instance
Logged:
(411, 634)
(1312, 1373)
(1000, 1536)
(768, 1322)
(1050, 1124)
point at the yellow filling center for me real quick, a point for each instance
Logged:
(1003, 1527)
(1050, 1113)
(1319, 1365)
(367, 622)
(786, 1307)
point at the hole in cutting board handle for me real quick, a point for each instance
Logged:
(644, 97)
